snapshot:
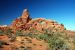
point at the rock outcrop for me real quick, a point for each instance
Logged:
(25, 23)
(23, 20)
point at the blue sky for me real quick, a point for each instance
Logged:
(62, 11)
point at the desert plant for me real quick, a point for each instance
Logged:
(1, 32)
(13, 38)
(8, 32)
(19, 33)
(55, 40)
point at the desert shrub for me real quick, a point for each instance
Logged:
(29, 34)
(13, 38)
(1, 43)
(56, 43)
(64, 28)
(62, 24)
(55, 40)
(1, 32)
(41, 36)
(8, 32)
(19, 33)
(73, 39)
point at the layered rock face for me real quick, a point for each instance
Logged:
(23, 20)
(25, 23)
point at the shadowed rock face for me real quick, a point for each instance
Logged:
(25, 16)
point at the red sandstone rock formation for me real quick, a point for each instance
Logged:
(25, 23)
(23, 20)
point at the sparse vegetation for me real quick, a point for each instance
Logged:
(19, 33)
(55, 40)
(1, 32)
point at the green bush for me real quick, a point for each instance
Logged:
(19, 33)
(54, 40)
(1, 32)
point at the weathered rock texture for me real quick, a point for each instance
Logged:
(25, 23)
(23, 20)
